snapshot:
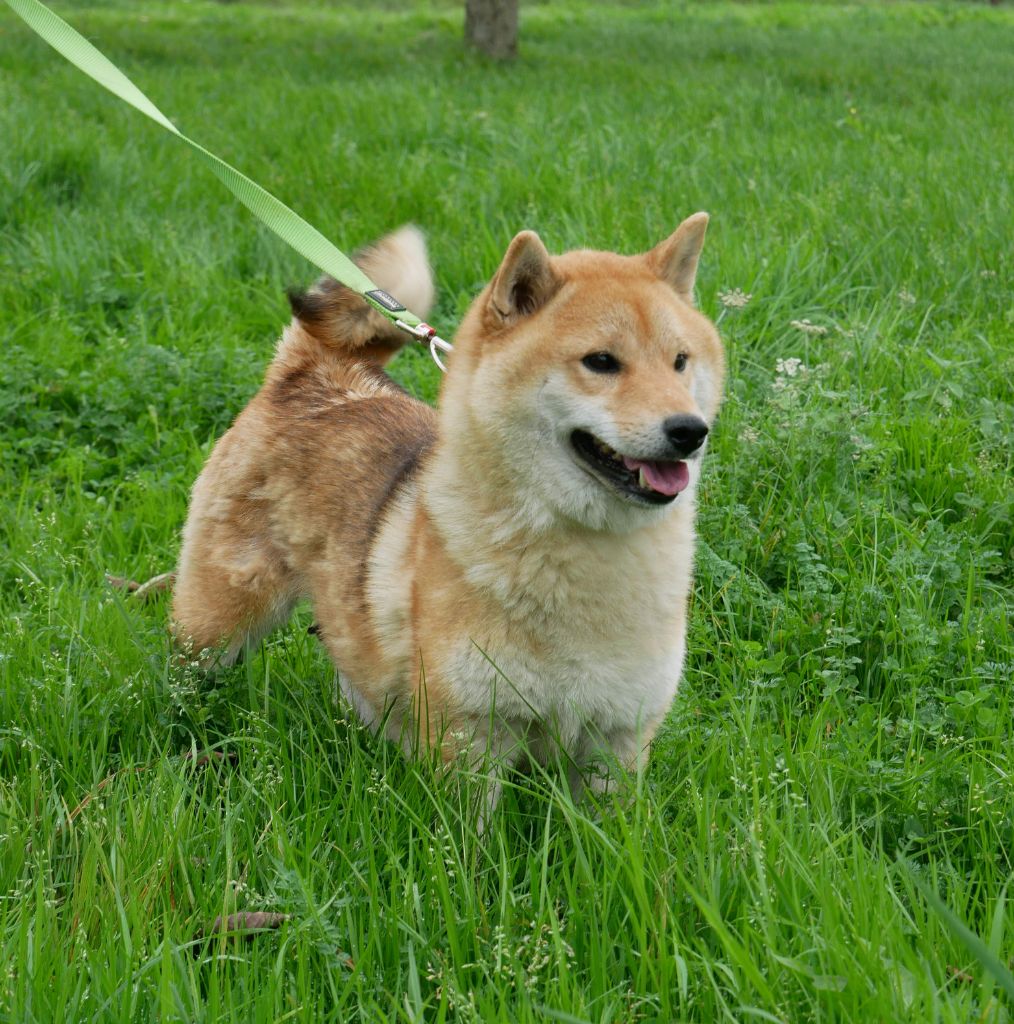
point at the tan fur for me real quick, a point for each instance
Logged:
(473, 582)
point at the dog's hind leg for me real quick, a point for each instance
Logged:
(231, 590)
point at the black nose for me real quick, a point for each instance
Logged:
(685, 433)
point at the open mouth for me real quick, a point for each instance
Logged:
(653, 481)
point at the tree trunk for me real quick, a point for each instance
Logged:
(491, 26)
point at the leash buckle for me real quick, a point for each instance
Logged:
(428, 336)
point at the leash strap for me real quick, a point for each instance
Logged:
(289, 226)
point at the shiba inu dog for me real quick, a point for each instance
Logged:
(509, 571)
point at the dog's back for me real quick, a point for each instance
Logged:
(328, 442)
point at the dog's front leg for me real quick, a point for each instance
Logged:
(489, 749)
(601, 761)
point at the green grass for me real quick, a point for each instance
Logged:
(842, 742)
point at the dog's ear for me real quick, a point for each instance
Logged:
(525, 281)
(675, 259)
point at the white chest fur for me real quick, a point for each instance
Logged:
(581, 629)
(573, 627)
(569, 694)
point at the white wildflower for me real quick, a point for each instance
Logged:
(806, 327)
(790, 367)
(906, 296)
(734, 299)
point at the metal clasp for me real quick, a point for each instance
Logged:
(427, 335)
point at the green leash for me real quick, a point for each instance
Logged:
(289, 226)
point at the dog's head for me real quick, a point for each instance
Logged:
(586, 384)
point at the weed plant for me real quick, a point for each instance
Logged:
(842, 740)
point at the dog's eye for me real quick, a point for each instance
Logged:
(602, 362)
(681, 362)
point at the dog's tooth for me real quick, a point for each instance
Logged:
(642, 480)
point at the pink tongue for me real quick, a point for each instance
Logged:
(664, 477)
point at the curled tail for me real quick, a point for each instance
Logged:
(335, 321)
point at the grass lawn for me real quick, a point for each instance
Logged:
(841, 745)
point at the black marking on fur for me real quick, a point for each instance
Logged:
(312, 308)
(339, 317)
(403, 472)
(297, 385)
(409, 464)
